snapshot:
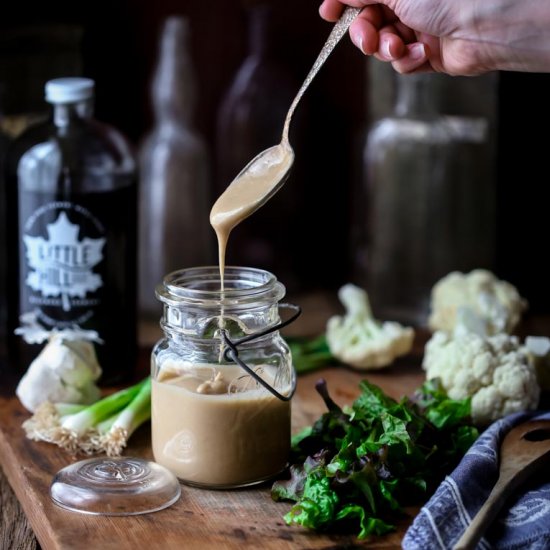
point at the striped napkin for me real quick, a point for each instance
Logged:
(524, 521)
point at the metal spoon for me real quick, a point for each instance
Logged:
(523, 451)
(339, 29)
(266, 173)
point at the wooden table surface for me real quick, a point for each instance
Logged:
(16, 532)
(246, 518)
(201, 519)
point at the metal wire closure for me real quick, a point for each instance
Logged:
(232, 353)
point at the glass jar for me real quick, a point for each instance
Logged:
(213, 424)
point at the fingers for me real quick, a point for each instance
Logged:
(385, 43)
(414, 59)
(406, 33)
(364, 30)
(330, 10)
(377, 31)
(391, 44)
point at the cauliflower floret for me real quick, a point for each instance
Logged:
(359, 340)
(497, 303)
(496, 372)
(64, 371)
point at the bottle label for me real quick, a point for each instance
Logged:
(61, 260)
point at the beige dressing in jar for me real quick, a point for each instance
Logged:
(214, 426)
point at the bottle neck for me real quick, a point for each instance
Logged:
(416, 97)
(173, 87)
(66, 113)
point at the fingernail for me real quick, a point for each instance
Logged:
(386, 49)
(417, 51)
(358, 41)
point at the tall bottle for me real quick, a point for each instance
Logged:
(251, 118)
(175, 193)
(72, 196)
(430, 200)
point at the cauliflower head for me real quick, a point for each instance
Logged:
(359, 340)
(497, 303)
(65, 371)
(496, 372)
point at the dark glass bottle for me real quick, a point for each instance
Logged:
(175, 191)
(72, 217)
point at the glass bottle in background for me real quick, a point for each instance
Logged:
(251, 119)
(175, 193)
(72, 216)
(430, 200)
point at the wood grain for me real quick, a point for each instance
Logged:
(201, 519)
(15, 531)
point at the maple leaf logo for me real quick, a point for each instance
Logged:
(61, 265)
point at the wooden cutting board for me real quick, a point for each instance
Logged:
(201, 518)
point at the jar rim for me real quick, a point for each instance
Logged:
(203, 285)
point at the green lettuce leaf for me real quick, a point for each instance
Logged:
(361, 465)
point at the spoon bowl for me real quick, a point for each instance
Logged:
(255, 184)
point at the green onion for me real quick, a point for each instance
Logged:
(91, 416)
(104, 426)
(310, 354)
(128, 421)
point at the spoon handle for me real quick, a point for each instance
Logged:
(339, 29)
(485, 516)
(524, 451)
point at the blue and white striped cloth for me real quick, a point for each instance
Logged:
(524, 521)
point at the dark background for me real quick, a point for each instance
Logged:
(116, 44)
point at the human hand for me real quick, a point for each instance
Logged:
(465, 37)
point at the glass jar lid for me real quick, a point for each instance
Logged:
(119, 486)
